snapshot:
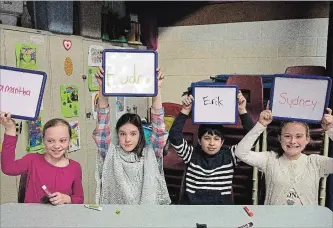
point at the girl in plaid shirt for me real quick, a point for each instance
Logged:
(130, 172)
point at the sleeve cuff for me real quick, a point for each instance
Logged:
(103, 110)
(259, 126)
(330, 132)
(10, 138)
(159, 111)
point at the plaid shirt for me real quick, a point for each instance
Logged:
(102, 134)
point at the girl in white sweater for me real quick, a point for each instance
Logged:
(292, 178)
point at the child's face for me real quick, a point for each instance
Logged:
(57, 141)
(128, 135)
(211, 144)
(294, 139)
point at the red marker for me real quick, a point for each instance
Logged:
(248, 211)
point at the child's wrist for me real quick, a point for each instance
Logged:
(69, 199)
(263, 124)
(11, 131)
(185, 111)
(242, 111)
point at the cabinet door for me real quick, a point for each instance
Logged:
(90, 121)
(71, 74)
(9, 39)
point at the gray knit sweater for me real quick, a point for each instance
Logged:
(123, 178)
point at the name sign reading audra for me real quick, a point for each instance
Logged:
(21, 92)
(215, 104)
(129, 72)
(301, 98)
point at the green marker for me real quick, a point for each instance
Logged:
(93, 206)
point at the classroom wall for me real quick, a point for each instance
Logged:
(193, 53)
(51, 56)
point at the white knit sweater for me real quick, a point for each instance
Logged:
(278, 171)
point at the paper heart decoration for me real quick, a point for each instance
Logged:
(67, 44)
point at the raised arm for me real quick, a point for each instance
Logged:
(9, 165)
(243, 149)
(327, 123)
(245, 118)
(182, 147)
(159, 134)
(102, 134)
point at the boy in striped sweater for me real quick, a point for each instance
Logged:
(209, 168)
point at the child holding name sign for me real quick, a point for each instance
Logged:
(130, 172)
(292, 178)
(327, 123)
(210, 168)
(62, 177)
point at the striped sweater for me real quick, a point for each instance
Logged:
(208, 178)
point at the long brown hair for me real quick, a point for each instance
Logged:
(136, 121)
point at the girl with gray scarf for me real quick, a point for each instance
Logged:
(130, 172)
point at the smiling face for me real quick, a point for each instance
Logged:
(56, 141)
(294, 138)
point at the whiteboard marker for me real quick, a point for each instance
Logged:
(49, 194)
(248, 211)
(247, 225)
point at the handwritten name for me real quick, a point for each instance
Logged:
(14, 90)
(298, 101)
(215, 101)
(134, 79)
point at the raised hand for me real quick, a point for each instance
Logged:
(102, 100)
(160, 77)
(187, 104)
(8, 123)
(266, 116)
(241, 103)
(327, 120)
(99, 76)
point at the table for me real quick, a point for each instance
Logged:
(41, 215)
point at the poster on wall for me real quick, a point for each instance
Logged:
(68, 66)
(35, 136)
(92, 81)
(76, 139)
(95, 55)
(70, 106)
(26, 56)
(120, 107)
